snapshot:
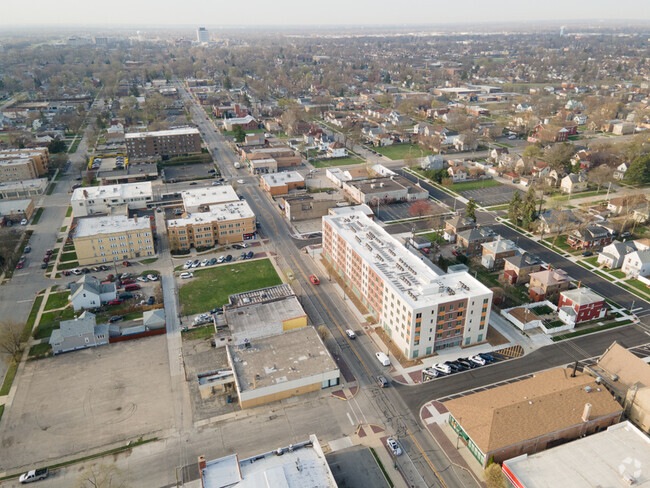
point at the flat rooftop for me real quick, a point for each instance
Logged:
(301, 465)
(417, 283)
(162, 133)
(208, 196)
(111, 224)
(284, 357)
(599, 460)
(251, 318)
(23, 184)
(123, 191)
(281, 179)
(261, 295)
(14, 161)
(10, 206)
(218, 213)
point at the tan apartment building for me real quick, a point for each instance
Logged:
(306, 207)
(17, 170)
(225, 223)
(112, 238)
(163, 143)
(284, 156)
(40, 156)
(282, 183)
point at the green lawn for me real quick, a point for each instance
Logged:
(639, 286)
(433, 237)
(37, 216)
(247, 131)
(50, 321)
(592, 260)
(57, 300)
(149, 261)
(68, 212)
(617, 274)
(328, 163)
(211, 287)
(401, 151)
(580, 332)
(40, 349)
(68, 265)
(474, 185)
(9, 379)
(198, 333)
(50, 189)
(68, 256)
(29, 325)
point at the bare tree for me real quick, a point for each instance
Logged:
(600, 175)
(323, 332)
(420, 208)
(11, 339)
(101, 476)
(494, 476)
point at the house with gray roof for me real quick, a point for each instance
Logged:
(89, 292)
(78, 333)
(154, 319)
(612, 255)
(472, 239)
(433, 161)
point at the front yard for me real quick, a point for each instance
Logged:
(211, 287)
(401, 151)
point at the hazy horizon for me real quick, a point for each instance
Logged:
(257, 13)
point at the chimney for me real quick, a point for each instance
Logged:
(586, 413)
(201, 463)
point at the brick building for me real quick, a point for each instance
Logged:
(163, 143)
(581, 305)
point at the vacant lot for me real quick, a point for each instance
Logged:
(82, 400)
(210, 287)
(401, 151)
(491, 195)
(329, 163)
(474, 185)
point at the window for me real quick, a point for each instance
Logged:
(480, 337)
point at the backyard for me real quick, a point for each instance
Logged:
(211, 287)
(401, 151)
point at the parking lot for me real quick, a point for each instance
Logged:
(83, 400)
(493, 195)
(188, 172)
(399, 211)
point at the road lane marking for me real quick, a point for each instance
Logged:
(350, 418)
(435, 471)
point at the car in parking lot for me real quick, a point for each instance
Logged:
(228, 258)
(241, 182)
(151, 300)
(152, 277)
(455, 367)
(23, 222)
(250, 255)
(487, 357)
(46, 259)
(213, 261)
(128, 281)
(187, 265)
(465, 362)
(21, 264)
(314, 279)
(126, 263)
(205, 262)
(115, 318)
(125, 296)
(27, 250)
(186, 275)
(221, 259)
(117, 301)
(393, 446)
(238, 246)
(76, 271)
(478, 360)
(442, 368)
(43, 265)
(196, 263)
(193, 183)
(144, 279)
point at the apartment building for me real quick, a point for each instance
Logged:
(17, 170)
(105, 199)
(112, 238)
(421, 311)
(40, 156)
(199, 200)
(163, 143)
(222, 224)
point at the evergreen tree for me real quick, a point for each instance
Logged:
(528, 212)
(470, 209)
(239, 133)
(639, 170)
(514, 209)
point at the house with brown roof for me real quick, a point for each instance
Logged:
(495, 252)
(547, 284)
(590, 237)
(457, 224)
(627, 377)
(531, 415)
(517, 268)
(472, 239)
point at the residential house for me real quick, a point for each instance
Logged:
(88, 292)
(641, 214)
(613, 254)
(463, 142)
(623, 128)
(540, 170)
(471, 240)
(517, 268)
(154, 319)
(547, 284)
(78, 333)
(627, 377)
(545, 133)
(590, 237)
(619, 172)
(637, 263)
(455, 225)
(457, 173)
(580, 305)
(496, 153)
(552, 221)
(337, 150)
(432, 162)
(554, 178)
(574, 183)
(514, 419)
(383, 139)
(495, 252)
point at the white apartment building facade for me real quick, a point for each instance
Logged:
(421, 311)
(101, 199)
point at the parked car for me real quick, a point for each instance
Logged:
(186, 275)
(426, 250)
(27, 249)
(34, 475)
(43, 265)
(587, 253)
(216, 310)
(193, 183)
(393, 446)
(465, 362)
(205, 262)
(115, 318)
(22, 263)
(152, 277)
(46, 259)
(132, 287)
(314, 279)
(221, 259)
(23, 222)
(196, 263)
(22, 259)
(144, 279)
(382, 358)
(125, 296)
(126, 276)
(151, 300)
(213, 261)
(455, 367)
(250, 255)
(128, 282)
(243, 256)
(487, 357)
(117, 301)
(228, 258)
(103, 267)
(110, 277)
(126, 263)
(383, 382)
(187, 265)
(432, 372)
(350, 333)
(237, 246)
(478, 360)
(85, 270)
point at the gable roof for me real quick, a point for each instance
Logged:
(472, 235)
(629, 368)
(550, 277)
(548, 402)
(524, 260)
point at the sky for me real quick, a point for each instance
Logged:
(115, 13)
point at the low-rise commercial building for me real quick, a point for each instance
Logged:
(421, 311)
(530, 415)
(384, 190)
(609, 458)
(282, 183)
(284, 156)
(201, 199)
(16, 210)
(102, 199)
(306, 207)
(11, 190)
(132, 173)
(39, 156)
(221, 224)
(163, 143)
(281, 366)
(112, 238)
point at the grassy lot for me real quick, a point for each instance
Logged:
(50, 321)
(198, 333)
(37, 215)
(211, 287)
(593, 260)
(498, 207)
(9, 379)
(638, 285)
(41, 349)
(474, 185)
(589, 330)
(68, 212)
(29, 325)
(401, 151)
(68, 265)
(103, 317)
(617, 274)
(68, 256)
(50, 188)
(328, 163)
(149, 261)
(433, 237)
(57, 300)
(248, 131)
(181, 160)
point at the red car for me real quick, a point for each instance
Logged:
(126, 263)
(314, 279)
(115, 302)
(46, 259)
(20, 265)
(110, 277)
(128, 282)
(49, 252)
(426, 250)
(455, 253)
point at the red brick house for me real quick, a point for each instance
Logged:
(591, 237)
(581, 305)
(548, 133)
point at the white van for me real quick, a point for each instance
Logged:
(350, 333)
(383, 359)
